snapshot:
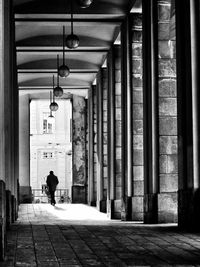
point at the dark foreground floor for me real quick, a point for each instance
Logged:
(77, 235)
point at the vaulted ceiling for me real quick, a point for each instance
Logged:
(39, 34)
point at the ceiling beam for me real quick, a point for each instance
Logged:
(68, 51)
(58, 21)
(29, 71)
(58, 48)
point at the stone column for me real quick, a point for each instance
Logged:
(2, 220)
(111, 134)
(126, 116)
(24, 149)
(150, 75)
(137, 116)
(4, 79)
(99, 141)
(95, 143)
(167, 96)
(119, 178)
(105, 136)
(79, 139)
(187, 17)
(195, 66)
(90, 147)
(9, 98)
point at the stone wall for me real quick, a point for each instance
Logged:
(138, 168)
(168, 159)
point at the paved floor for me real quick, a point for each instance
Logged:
(78, 235)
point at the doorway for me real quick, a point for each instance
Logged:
(50, 149)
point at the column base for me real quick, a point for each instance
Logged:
(167, 207)
(78, 194)
(110, 209)
(2, 220)
(101, 205)
(25, 194)
(137, 208)
(150, 208)
(92, 203)
(13, 208)
(189, 209)
(8, 209)
(126, 209)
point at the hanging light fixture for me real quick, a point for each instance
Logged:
(84, 3)
(51, 117)
(72, 40)
(58, 91)
(53, 106)
(63, 70)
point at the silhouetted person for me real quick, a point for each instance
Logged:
(52, 182)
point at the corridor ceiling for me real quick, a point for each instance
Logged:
(38, 34)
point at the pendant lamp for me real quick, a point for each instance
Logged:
(63, 70)
(53, 106)
(72, 40)
(84, 3)
(51, 118)
(58, 91)
(51, 115)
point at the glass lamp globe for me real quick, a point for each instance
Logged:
(72, 41)
(84, 3)
(53, 106)
(63, 71)
(58, 91)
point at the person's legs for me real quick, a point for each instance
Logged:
(52, 194)
(53, 198)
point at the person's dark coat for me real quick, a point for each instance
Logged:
(52, 182)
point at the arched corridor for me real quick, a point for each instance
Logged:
(55, 236)
(130, 71)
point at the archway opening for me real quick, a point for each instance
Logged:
(50, 149)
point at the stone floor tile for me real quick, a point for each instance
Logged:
(40, 237)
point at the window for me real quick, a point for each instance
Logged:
(48, 155)
(48, 124)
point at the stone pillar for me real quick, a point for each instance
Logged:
(6, 121)
(99, 142)
(137, 117)
(95, 144)
(167, 95)
(119, 178)
(126, 117)
(187, 22)
(101, 139)
(90, 147)
(105, 135)
(2, 220)
(150, 75)
(111, 134)
(24, 149)
(9, 99)
(9, 218)
(78, 148)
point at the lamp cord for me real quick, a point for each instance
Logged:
(53, 90)
(63, 45)
(57, 70)
(71, 2)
